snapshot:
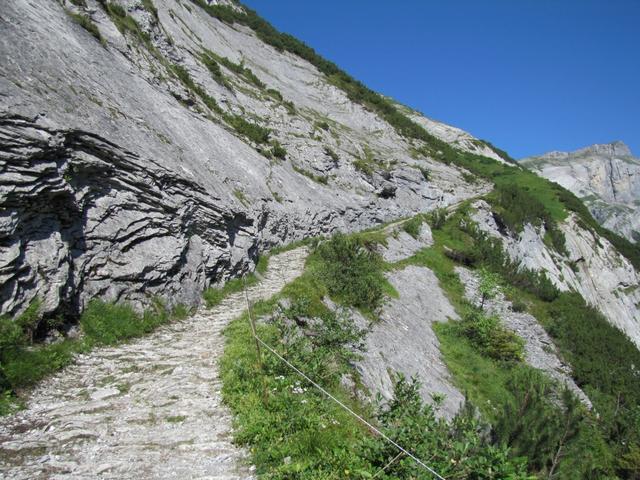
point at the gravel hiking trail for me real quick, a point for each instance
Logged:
(148, 409)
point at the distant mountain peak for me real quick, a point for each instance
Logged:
(613, 149)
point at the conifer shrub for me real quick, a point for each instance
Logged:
(352, 273)
(491, 337)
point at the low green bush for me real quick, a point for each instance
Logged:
(413, 226)
(491, 337)
(437, 218)
(352, 273)
(278, 151)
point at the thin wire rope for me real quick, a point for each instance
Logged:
(306, 377)
(388, 464)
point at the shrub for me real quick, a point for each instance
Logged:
(437, 218)
(492, 338)
(252, 131)
(278, 151)
(352, 273)
(413, 226)
(426, 173)
(455, 450)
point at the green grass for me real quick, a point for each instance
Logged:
(322, 179)
(214, 295)
(85, 22)
(413, 226)
(471, 370)
(293, 431)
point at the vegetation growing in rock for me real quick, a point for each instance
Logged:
(151, 8)
(491, 338)
(413, 226)
(323, 179)
(574, 443)
(278, 151)
(294, 431)
(352, 273)
(85, 22)
(214, 295)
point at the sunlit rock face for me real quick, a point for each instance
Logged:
(606, 177)
(119, 180)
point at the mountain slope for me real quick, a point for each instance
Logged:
(153, 148)
(606, 177)
(101, 141)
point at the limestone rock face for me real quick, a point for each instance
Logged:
(403, 340)
(119, 180)
(606, 177)
(593, 267)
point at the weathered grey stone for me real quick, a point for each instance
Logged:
(400, 245)
(403, 340)
(118, 182)
(606, 177)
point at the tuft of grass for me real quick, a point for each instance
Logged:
(176, 418)
(214, 295)
(323, 179)
(278, 151)
(85, 22)
(413, 226)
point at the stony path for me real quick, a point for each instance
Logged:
(149, 409)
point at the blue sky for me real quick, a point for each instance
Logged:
(528, 75)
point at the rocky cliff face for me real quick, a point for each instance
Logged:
(591, 267)
(121, 178)
(606, 177)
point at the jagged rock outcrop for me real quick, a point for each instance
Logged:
(120, 178)
(592, 267)
(606, 177)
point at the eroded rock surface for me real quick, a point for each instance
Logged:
(403, 340)
(149, 409)
(118, 179)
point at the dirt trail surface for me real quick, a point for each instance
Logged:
(148, 409)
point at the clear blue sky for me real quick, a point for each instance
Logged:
(528, 75)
